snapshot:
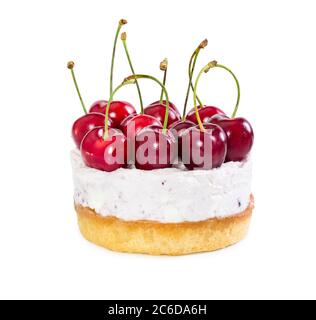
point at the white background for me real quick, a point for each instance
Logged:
(270, 45)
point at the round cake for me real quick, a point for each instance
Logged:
(157, 181)
(163, 212)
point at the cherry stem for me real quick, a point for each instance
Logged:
(70, 66)
(205, 69)
(144, 76)
(191, 68)
(123, 38)
(237, 85)
(120, 24)
(191, 76)
(164, 68)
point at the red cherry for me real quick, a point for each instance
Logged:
(98, 106)
(216, 117)
(85, 123)
(171, 106)
(240, 136)
(203, 149)
(104, 154)
(158, 111)
(154, 149)
(119, 110)
(205, 114)
(137, 123)
(179, 126)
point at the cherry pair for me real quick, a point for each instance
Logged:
(107, 149)
(238, 132)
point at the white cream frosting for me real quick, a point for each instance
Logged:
(165, 195)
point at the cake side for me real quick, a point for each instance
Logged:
(156, 238)
(167, 195)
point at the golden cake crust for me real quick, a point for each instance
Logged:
(157, 238)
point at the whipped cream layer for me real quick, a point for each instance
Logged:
(166, 195)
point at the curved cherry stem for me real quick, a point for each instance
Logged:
(144, 76)
(191, 76)
(164, 83)
(120, 24)
(190, 85)
(164, 68)
(195, 104)
(70, 66)
(123, 38)
(237, 85)
(191, 68)
(107, 109)
(205, 69)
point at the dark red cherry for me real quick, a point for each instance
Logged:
(171, 106)
(179, 126)
(107, 155)
(205, 114)
(203, 149)
(240, 137)
(98, 106)
(158, 111)
(119, 110)
(85, 123)
(155, 149)
(217, 117)
(131, 125)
